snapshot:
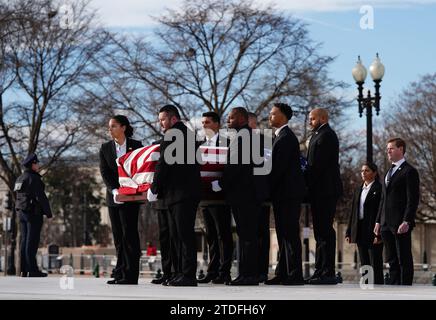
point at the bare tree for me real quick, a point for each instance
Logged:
(47, 56)
(413, 117)
(216, 54)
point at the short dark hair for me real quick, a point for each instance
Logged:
(242, 112)
(123, 121)
(285, 109)
(171, 110)
(252, 115)
(213, 115)
(398, 143)
(373, 167)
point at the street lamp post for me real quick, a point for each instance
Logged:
(377, 71)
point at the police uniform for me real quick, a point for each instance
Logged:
(31, 204)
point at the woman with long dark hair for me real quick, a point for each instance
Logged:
(361, 222)
(123, 216)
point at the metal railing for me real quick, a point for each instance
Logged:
(92, 264)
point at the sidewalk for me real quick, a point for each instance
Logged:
(96, 289)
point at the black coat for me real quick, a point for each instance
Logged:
(31, 198)
(108, 166)
(178, 181)
(322, 175)
(400, 198)
(286, 178)
(239, 182)
(370, 210)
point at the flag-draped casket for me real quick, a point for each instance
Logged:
(136, 171)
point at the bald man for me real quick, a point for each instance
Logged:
(324, 189)
(245, 192)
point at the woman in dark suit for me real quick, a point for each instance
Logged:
(361, 222)
(124, 216)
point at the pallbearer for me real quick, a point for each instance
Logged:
(124, 216)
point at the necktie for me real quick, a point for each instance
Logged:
(391, 170)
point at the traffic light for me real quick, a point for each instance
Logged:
(8, 202)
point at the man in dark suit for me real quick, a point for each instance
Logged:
(397, 212)
(217, 218)
(245, 192)
(123, 216)
(361, 222)
(287, 192)
(324, 189)
(264, 220)
(177, 179)
(168, 245)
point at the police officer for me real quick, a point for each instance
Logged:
(31, 204)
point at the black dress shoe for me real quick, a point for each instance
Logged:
(245, 281)
(160, 280)
(37, 274)
(222, 279)
(315, 275)
(274, 281)
(263, 278)
(324, 280)
(122, 281)
(293, 281)
(208, 278)
(24, 274)
(172, 279)
(116, 275)
(184, 282)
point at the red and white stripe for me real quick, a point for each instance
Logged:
(136, 169)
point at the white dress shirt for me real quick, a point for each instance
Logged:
(280, 129)
(363, 195)
(397, 165)
(212, 141)
(121, 149)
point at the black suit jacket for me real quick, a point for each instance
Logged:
(31, 198)
(370, 210)
(178, 181)
(108, 166)
(239, 183)
(400, 198)
(322, 175)
(286, 178)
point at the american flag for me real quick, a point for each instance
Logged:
(136, 169)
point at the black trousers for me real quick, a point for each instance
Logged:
(247, 227)
(168, 247)
(372, 255)
(182, 215)
(399, 256)
(264, 240)
(287, 217)
(218, 222)
(323, 212)
(31, 225)
(124, 221)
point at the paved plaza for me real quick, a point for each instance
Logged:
(88, 288)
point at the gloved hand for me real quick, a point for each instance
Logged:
(216, 186)
(115, 193)
(151, 197)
